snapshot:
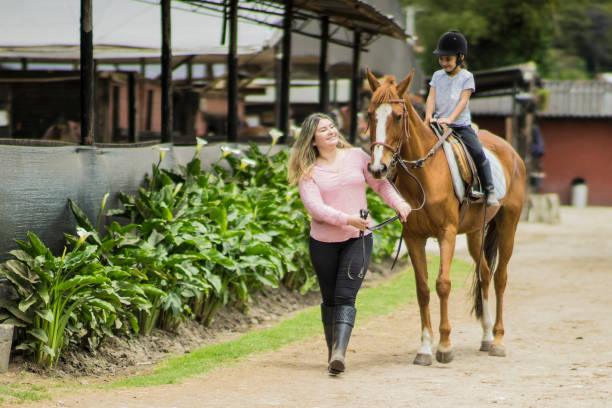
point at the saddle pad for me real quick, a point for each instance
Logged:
(499, 181)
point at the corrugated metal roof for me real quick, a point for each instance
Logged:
(579, 99)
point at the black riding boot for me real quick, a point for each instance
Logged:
(486, 178)
(328, 316)
(345, 320)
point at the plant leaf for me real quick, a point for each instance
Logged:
(39, 334)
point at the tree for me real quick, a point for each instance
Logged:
(499, 32)
(584, 29)
(568, 39)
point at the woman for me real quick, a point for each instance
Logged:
(332, 179)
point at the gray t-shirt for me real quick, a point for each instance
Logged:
(448, 93)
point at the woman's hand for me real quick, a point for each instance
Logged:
(404, 211)
(358, 222)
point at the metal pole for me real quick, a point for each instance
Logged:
(286, 66)
(232, 73)
(166, 77)
(355, 86)
(87, 74)
(323, 67)
(131, 108)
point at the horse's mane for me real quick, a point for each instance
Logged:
(386, 91)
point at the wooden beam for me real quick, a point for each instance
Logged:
(87, 74)
(285, 72)
(355, 86)
(323, 67)
(232, 71)
(166, 79)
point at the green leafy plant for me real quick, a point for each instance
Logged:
(52, 290)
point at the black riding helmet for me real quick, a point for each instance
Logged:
(452, 43)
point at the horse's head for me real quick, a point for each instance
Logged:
(387, 116)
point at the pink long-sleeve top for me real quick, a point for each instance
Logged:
(330, 196)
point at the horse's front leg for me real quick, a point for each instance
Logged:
(446, 240)
(416, 249)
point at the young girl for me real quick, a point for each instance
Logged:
(449, 95)
(332, 178)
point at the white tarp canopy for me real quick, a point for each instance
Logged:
(50, 29)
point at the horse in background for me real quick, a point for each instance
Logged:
(399, 138)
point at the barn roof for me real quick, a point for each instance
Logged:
(568, 99)
(130, 31)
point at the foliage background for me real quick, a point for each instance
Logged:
(567, 39)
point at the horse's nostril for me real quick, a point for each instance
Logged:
(384, 169)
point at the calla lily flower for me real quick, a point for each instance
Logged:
(200, 142)
(275, 134)
(162, 152)
(244, 163)
(226, 151)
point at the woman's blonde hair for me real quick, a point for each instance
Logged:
(303, 153)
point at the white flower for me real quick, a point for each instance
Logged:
(296, 131)
(247, 162)
(83, 234)
(200, 142)
(162, 152)
(275, 134)
(228, 150)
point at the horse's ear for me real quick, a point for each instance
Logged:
(405, 84)
(374, 84)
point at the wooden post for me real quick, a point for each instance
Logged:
(166, 77)
(323, 68)
(285, 74)
(355, 86)
(232, 74)
(87, 74)
(131, 108)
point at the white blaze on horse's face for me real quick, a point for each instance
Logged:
(382, 114)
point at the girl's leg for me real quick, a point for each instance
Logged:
(471, 141)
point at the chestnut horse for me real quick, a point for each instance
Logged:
(400, 137)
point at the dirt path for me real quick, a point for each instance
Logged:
(558, 336)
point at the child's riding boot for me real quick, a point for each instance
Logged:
(487, 183)
(328, 316)
(345, 320)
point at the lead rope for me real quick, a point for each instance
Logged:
(363, 213)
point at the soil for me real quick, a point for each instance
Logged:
(557, 320)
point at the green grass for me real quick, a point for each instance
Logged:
(379, 300)
(16, 393)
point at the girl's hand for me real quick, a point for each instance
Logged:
(358, 222)
(444, 121)
(404, 211)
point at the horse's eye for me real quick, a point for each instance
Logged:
(398, 117)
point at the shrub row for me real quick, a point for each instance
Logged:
(190, 241)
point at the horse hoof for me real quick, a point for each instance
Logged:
(485, 346)
(423, 359)
(445, 357)
(497, 351)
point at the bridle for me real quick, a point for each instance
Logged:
(397, 159)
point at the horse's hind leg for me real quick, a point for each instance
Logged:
(474, 241)
(416, 249)
(508, 220)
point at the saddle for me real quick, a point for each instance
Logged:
(464, 173)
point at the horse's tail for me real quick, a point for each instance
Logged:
(491, 245)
